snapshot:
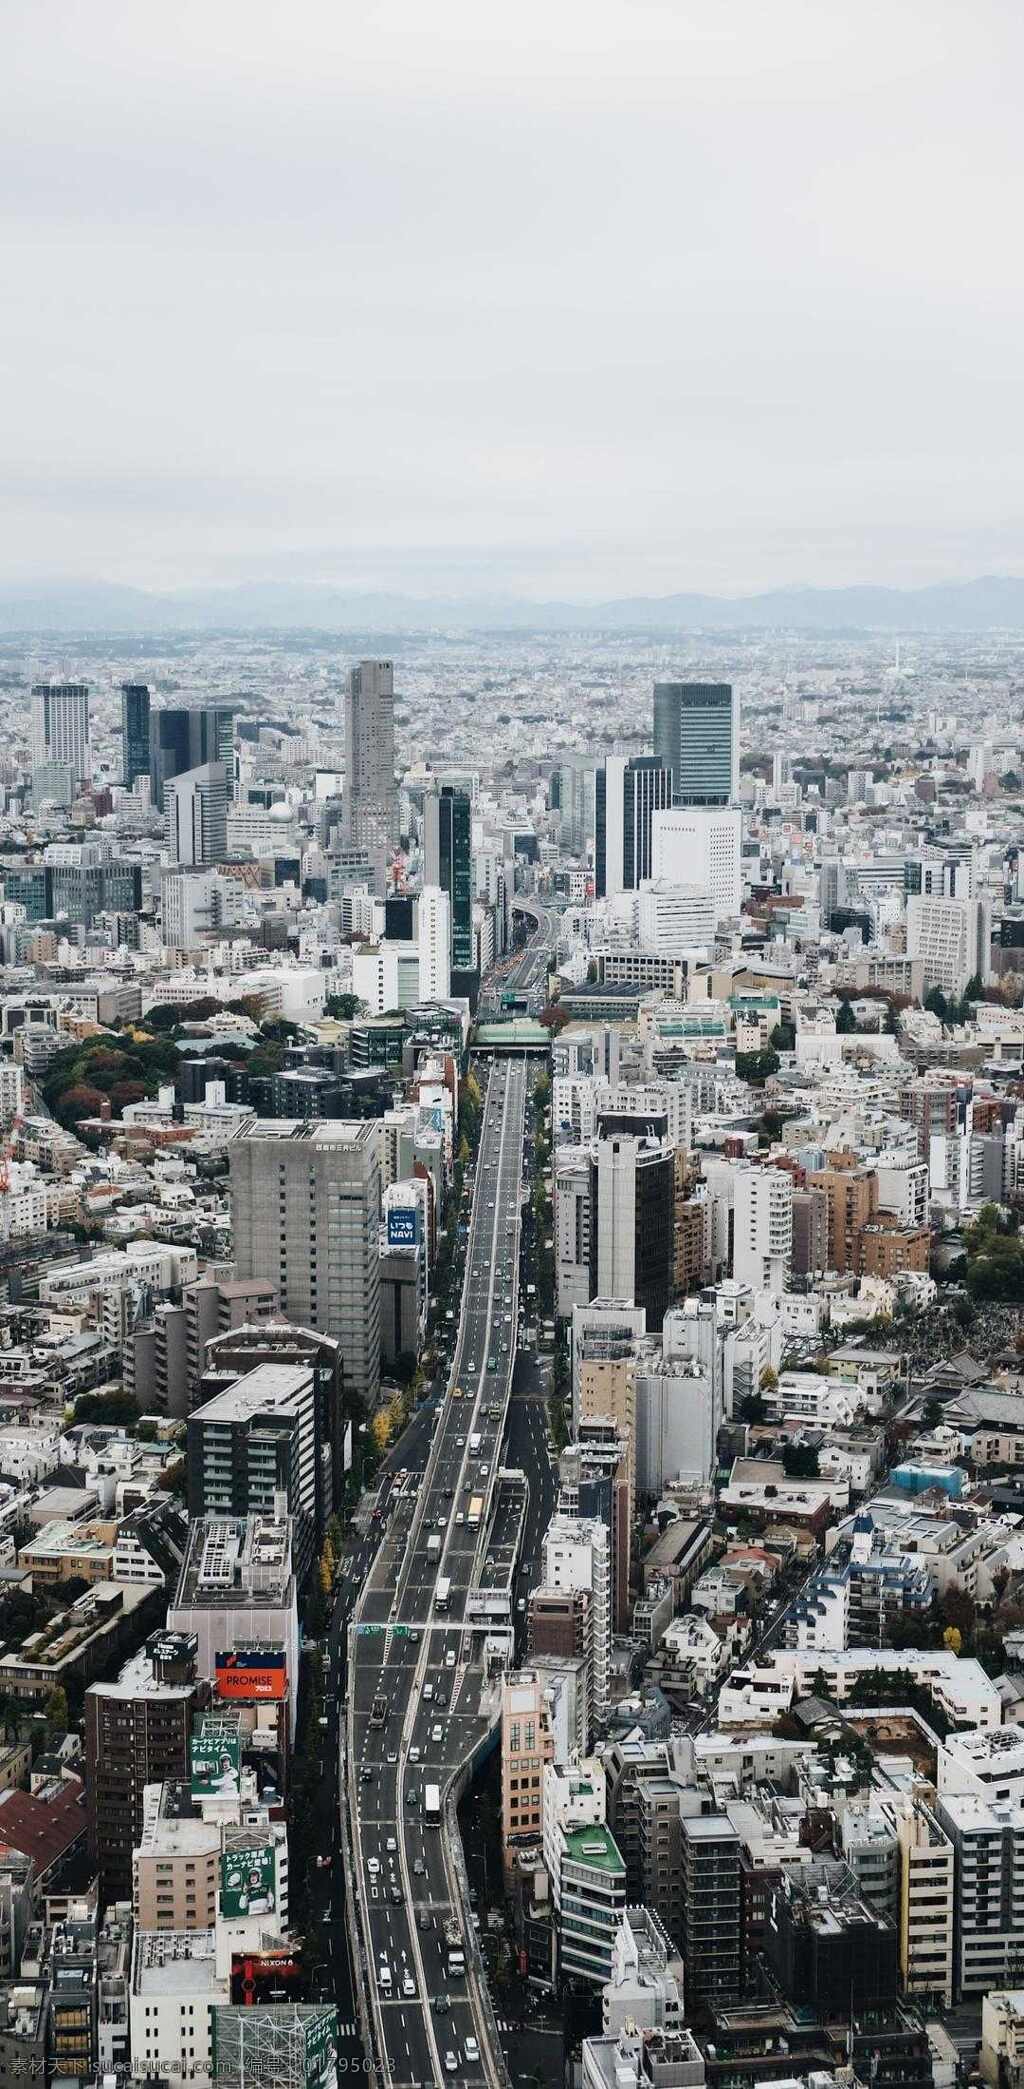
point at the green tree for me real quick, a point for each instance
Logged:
(756, 1067)
(800, 1461)
(344, 1007)
(55, 1709)
(846, 1021)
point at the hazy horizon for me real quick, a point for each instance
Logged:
(624, 297)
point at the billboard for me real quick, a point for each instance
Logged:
(321, 2037)
(247, 1881)
(403, 1226)
(216, 1763)
(245, 1674)
(265, 1976)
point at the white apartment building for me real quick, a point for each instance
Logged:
(175, 1987)
(949, 936)
(763, 1228)
(577, 1556)
(699, 846)
(386, 975)
(678, 1404)
(572, 1230)
(573, 1795)
(434, 929)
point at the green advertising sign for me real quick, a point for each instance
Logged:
(216, 1762)
(321, 2030)
(247, 1881)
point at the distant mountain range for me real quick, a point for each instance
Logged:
(77, 607)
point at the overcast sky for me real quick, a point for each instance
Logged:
(561, 297)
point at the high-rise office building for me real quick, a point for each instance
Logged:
(60, 726)
(371, 799)
(572, 790)
(181, 739)
(196, 815)
(305, 1213)
(448, 862)
(626, 795)
(435, 942)
(134, 732)
(136, 1733)
(696, 735)
(632, 1203)
(260, 1442)
(699, 846)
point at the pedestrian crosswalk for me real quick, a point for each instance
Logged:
(348, 2030)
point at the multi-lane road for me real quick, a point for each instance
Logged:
(424, 1666)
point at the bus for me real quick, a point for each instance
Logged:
(475, 1511)
(442, 1592)
(432, 1804)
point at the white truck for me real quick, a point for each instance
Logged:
(434, 1545)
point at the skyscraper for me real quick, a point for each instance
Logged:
(626, 795)
(60, 726)
(696, 735)
(305, 1215)
(134, 732)
(448, 862)
(182, 739)
(196, 815)
(371, 800)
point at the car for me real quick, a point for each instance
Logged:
(414, 1753)
(521, 1605)
(441, 2003)
(419, 1867)
(460, 1443)
(425, 1921)
(428, 1692)
(437, 1733)
(392, 1755)
(391, 1845)
(450, 2062)
(396, 1896)
(408, 1984)
(459, 1517)
(373, 1866)
(449, 1659)
(472, 2049)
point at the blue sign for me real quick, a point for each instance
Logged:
(403, 1226)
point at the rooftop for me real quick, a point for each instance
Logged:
(595, 1847)
(268, 1387)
